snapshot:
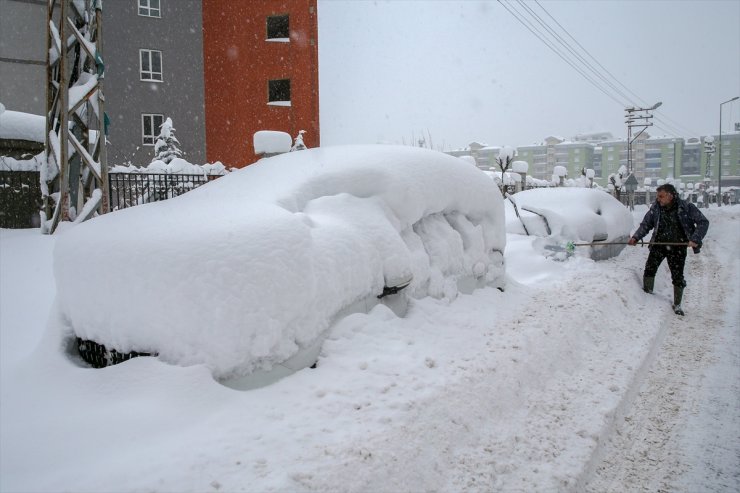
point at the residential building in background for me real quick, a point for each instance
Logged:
(654, 158)
(221, 70)
(153, 54)
(23, 56)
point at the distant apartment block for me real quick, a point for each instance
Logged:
(222, 70)
(653, 158)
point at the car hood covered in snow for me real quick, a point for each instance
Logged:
(242, 273)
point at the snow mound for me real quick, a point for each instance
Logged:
(242, 273)
(22, 126)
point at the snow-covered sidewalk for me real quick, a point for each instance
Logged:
(516, 391)
(681, 432)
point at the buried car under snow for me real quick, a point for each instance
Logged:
(571, 215)
(247, 273)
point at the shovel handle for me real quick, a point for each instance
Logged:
(641, 243)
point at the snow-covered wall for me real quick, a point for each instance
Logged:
(22, 126)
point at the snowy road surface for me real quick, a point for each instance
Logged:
(571, 380)
(681, 431)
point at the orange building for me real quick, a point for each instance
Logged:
(261, 73)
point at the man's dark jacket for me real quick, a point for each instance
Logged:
(693, 222)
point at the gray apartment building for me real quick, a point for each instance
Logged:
(153, 55)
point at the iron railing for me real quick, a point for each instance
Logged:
(130, 189)
(20, 193)
(20, 199)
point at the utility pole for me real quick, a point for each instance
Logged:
(74, 179)
(635, 118)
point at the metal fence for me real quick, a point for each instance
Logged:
(20, 193)
(130, 189)
(20, 199)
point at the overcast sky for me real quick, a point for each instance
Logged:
(464, 71)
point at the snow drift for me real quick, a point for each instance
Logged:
(242, 273)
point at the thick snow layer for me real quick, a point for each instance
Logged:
(177, 166)
(271, 142)
(257, 263)
(22, 126)
(576, 214)
(520, 166)
(513, 391)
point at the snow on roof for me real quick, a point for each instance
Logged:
(267, 255)
(22, 126)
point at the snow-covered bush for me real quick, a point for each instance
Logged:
(166, 147)
(299, 145)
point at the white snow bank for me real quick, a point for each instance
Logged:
(22, 126)
(177, 166)
(242, 273)
(272, 142)
(576, 213)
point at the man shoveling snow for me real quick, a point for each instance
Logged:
(677, 224)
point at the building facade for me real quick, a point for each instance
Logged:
(653, 158)
(261, 73)
(23, 55)
(153, 53)
(220, 70)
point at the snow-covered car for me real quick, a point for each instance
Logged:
(571, 215)
(247, 273)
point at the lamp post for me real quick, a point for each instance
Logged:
(719, 154)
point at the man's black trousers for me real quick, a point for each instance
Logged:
(676, 256)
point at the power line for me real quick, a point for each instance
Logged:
(641, 101)
(536, 32)
(584, 65)
(568, 47)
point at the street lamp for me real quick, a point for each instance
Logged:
(719, 154)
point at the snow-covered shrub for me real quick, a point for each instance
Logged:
(166, 147)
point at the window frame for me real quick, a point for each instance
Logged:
(273, 38)
(155, 132)
(151, 71)
(146, 5)
(278, 102)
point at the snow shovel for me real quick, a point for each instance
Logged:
(570, 246)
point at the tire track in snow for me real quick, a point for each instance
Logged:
(645, 452)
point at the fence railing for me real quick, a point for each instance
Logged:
(129, 189)
(20, 199)
(20, 193)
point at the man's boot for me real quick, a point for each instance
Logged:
(677, 297)
(648, 283)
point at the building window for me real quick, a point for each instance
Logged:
(150, 124)
(149, 8)
(279, 92)
(278, 28)
(150, 67)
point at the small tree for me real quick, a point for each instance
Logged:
(617, 180)
(298, 144)
(504, 160)
(167, 147)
